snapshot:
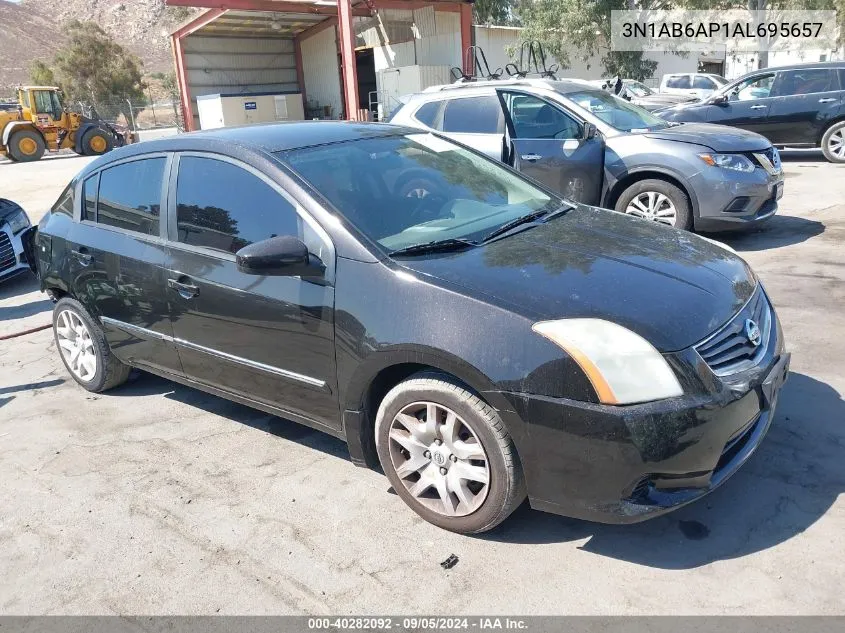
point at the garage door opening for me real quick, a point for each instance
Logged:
(365, 66)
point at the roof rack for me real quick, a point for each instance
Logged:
(530, 52)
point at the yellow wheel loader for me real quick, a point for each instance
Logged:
(39, 122)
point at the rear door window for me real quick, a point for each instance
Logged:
(805, 81)
(89, 198)
(473, 115)
(130, 195)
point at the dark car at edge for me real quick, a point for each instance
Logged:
(482, 343)
(795, 106)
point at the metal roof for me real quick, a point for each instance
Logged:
(260, 24)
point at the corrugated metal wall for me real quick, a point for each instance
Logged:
(321, 70)
(235, 65)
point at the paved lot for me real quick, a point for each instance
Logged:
(157, 499)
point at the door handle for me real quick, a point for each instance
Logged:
(531, 157)
(82, 255)
(758, 107)
(185, 290)
(827, 100)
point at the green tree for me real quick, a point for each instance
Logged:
(497, 12)
(41, 74)
(93, 68)
(562, 26)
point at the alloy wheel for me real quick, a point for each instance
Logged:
(439, 459)
(836, 144)
(76, 345)
(653, 205)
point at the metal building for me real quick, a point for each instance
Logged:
(347, 58)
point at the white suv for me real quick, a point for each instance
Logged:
(699, 85)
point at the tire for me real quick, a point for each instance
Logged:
(642, 189)
(108, 371)
(833, 143)
(478, 430)
(96, 142)
(26, 146)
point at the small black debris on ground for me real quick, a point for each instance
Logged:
(449, 562)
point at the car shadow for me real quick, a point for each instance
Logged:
(781, 230)
(31, 386)
(789, 484)
(802, 156)
(20, 284)
(144, 384)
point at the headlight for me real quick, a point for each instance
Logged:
(734, 162)
(622, 366)
(18, 222)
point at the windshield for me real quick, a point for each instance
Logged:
(414, 189)
(637, 89)
(620, 114)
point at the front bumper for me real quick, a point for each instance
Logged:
(627, 464)
(733, 200)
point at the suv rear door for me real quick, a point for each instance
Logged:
(476, 121)
(548, 144)
(269, 339)
(805, 101)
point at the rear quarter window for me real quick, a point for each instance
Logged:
(427, 113)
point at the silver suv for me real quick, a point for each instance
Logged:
(596, 148)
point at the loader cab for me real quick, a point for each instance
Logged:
(44, 103)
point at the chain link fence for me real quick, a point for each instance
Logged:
(136, 116)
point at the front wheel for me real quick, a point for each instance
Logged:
(83, 348)
(448, 455)
(833, 143)
(96, 142)
(658, 201)
(26, 146)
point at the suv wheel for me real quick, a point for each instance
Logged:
(658, 201)
(833, 143)
(83, 348)
(447, 454)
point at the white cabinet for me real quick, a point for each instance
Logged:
(225, 110)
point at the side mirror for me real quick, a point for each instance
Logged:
(718, 100)
(283, 256)
(589, 131)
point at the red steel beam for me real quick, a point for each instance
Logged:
(317, 28)
(466, 37)
(179, 58)
(300, 73)
(280, 6)
(346, 39)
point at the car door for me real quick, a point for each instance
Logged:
(476, 121)
(549, 146)
(269, 339)
(116, 259)
(747, 105)
(804, 102)
(677, 85)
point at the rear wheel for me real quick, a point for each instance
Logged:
(83, 348)
(96, 142)
(447, 454)
(833, 143)
(658, 201)
(26, 146)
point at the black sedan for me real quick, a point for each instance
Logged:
(474, 334)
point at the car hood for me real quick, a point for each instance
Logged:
(669, 286)
(719, 138)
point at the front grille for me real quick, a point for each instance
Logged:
(768, 159)
(730, 349)
(7, 253)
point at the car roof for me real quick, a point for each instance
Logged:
(559, 85)
(831, 65)
(262, 137)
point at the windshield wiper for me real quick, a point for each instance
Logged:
(528, 218)
(436, 246)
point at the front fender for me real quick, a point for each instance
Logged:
(17, 125)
